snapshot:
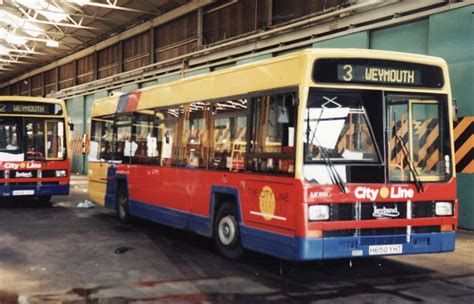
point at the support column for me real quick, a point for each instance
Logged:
(269, 12)
(95, 65)
(151, 34)
(43, 89)
(75, 71)
(200, 31)
(120, 56)
(56, 85)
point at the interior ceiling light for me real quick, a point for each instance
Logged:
(18, 23)
(52, 43)
(51, 12)
(4, 50)
(11, 37)
(14, 39)
(80, 2)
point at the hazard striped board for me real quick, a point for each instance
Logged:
(464, 144)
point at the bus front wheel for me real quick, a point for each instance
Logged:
(123, 211)
(227, 233)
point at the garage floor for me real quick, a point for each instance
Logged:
(65, 254)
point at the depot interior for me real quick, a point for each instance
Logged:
(81, 50)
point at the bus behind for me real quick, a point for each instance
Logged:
(34, 158)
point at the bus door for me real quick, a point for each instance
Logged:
(418, 134)
(100, 153)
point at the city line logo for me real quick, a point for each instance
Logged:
(384, 192)
(23, 165)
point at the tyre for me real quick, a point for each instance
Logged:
(227, 232)
(123, 211)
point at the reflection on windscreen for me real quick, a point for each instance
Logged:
(10, 145)
(337, 128)
(32, 139)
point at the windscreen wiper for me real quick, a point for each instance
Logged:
(333, 174)
(411, 165)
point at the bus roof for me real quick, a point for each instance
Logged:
(278, 72)
(30, 99)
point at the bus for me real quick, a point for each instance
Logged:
(34, 155)
(317, 154)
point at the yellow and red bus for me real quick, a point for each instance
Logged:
(318, 154)
(34, 155)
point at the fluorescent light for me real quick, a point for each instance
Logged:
(14, 39)
(52, 43)
(80, 2)
(4, 51)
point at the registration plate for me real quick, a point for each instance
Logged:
(385, 249)
(23, 192)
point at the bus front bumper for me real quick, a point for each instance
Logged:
(303, 249)
(33, 190)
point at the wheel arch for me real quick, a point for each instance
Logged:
(220, 195)
(112, 190)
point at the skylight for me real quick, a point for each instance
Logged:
(51, 12)
(29, 28)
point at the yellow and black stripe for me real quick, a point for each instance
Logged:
(464, 144)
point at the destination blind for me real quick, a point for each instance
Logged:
(30, 108)
(377, 72)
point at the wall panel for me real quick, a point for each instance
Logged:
(15, 89)
(411, 37)
(85, 69)
(49, 81)
(176, 37)
(108, 64)
(284, 10)
(25, 87)
(66, 75)
(233, 20)
(36, 88)
(136, 51)
(5, 90)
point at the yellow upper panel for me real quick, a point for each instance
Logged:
(284, 71)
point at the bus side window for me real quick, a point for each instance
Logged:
(124, 147)
(167, 130)
(273, 134)
(228, 134)
(144, 138)
(95, 138)
(195, 142)
(100, 147)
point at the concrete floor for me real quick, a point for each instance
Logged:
(64, 254)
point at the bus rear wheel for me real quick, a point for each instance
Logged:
(123, 211)
(227, 233)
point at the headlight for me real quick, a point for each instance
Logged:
(443, 208)
(61, 173)
(318, 212)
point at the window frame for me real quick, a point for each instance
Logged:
(419, 98)
(380, 161)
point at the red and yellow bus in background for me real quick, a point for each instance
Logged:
(318, 154)
(34, 158)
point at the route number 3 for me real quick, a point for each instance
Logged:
(348, 69)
